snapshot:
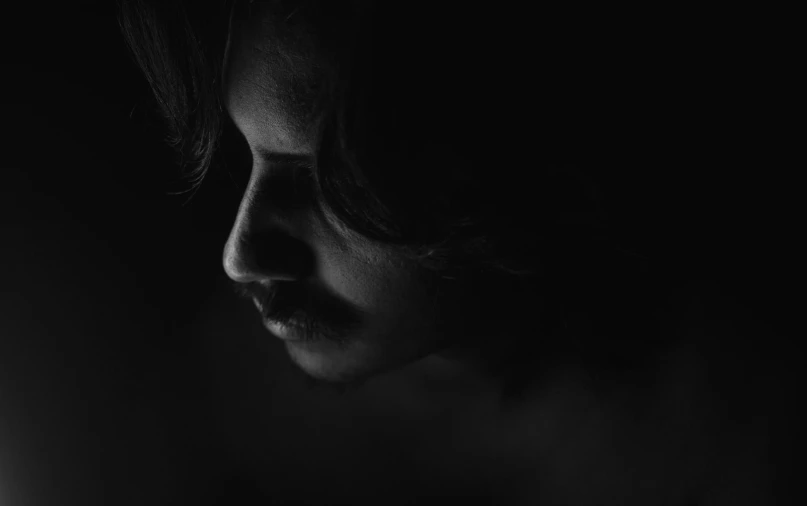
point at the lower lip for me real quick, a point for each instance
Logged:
(283, 331)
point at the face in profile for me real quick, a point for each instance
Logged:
(345, 307)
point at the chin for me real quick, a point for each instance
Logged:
(340, 368)
(326, 364)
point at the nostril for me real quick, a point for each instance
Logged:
(269, 255)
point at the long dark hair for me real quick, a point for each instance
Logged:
(483, 126)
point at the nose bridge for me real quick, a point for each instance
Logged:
(263, 243)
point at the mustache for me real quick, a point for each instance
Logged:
(293, 303)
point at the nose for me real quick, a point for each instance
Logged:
(266, 243)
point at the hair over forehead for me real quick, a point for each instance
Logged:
(413, 74)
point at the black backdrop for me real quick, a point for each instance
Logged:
(102, 270)
(129, 375)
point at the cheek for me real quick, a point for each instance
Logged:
(383, 285)
(369, 275)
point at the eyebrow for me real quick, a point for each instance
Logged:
(293, 159)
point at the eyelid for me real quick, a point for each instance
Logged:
(286, 159)
(299, 170)
(289, 184)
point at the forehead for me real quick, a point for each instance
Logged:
(266, 88)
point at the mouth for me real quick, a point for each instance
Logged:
(300, 326)
(290, 330)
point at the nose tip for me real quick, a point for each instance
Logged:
(270, 255)
(236, 264)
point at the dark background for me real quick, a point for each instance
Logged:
(128, 372)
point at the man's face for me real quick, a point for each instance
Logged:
(382, 309)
